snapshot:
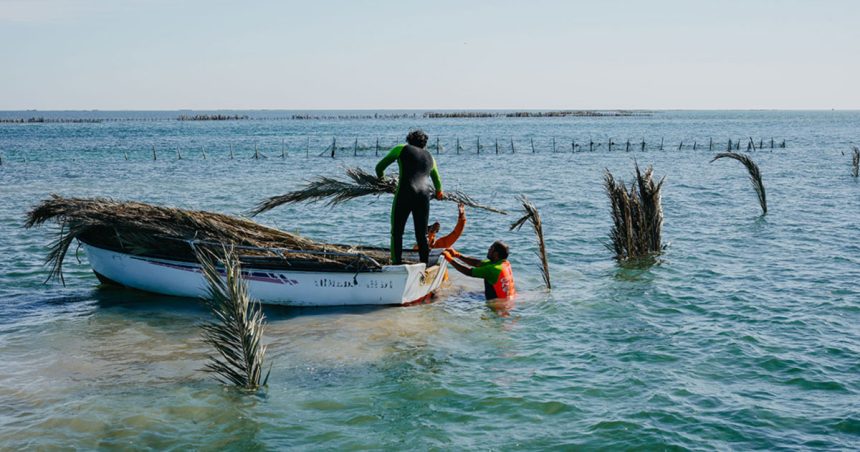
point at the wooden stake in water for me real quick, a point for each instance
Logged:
(729, 148)
(533, 145)
(478, 145)
(643, 145)
(513, 151)
(553, 145)
(283, 148)
(377, 146)
(458, 145)
(680, 145)
(710, 144)
(610, 144)
(126, 155)
(497, 146)
(333, 146)
(590, 145)
(573, 146)
(154, 157)
(627, 149)
(231, 152)
(694, 145)
(204, 153)
(178, 154)
(438, 148)
(661, 143)
(355, 148)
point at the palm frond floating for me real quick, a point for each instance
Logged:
(637, 215)
(358, 183)
(754, 173)
(237, 331)
(855, 162)
(532, 215)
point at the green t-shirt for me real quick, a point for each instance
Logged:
(490, 272)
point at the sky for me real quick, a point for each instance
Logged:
(440, 54)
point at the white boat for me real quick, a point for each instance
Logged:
(279, 285)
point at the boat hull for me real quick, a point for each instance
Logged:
(392, 285)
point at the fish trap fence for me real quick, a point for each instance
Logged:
(378, 146)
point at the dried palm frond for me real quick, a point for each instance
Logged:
(855, 162)
(754, 173)
(359, 183)
(532, 215)
(237, 331)
(140, 228)
(637, 216)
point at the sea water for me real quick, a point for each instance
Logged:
(745, 335)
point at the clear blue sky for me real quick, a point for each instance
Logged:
(160, 54)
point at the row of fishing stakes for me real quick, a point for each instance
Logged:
(437, 147)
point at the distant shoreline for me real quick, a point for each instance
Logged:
(463, 114)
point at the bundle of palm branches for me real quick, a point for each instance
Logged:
(237, 331)
(637, 216)
(532, 215)
(754, 173)
(145, 229)
(358, 183)
(855, 162)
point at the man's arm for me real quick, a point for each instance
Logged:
(437, 182)
(460, 267)
(392, 155)
(469, 260)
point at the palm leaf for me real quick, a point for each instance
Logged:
(532, 215)
(754, 173)
(236, 332)
(855, 161)
(637, 216)
(358, 183)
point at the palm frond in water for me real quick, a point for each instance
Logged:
(637, 216)
(855, 162)
(532, 215)
(358, 183)
(754, 173)
(237, 331)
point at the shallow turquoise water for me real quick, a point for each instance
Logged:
(745, 336)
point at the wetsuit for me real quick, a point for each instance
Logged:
(498, 278)
(412, 196)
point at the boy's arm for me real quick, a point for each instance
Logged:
(392, 155)
(448, 240)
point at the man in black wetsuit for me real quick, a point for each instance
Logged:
(413, 192)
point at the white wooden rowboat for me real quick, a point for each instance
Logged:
(388, 285)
